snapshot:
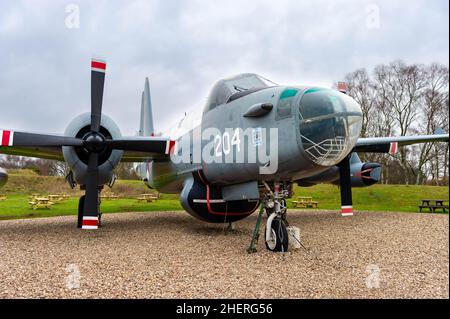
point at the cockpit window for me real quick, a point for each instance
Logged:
(284, 109)
(224, 89)
(320, 102)
(330, 123)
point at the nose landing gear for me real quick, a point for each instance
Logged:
(276, 234)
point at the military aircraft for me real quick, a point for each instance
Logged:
(253, 140)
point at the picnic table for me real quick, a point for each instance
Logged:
(304, 202)
(55, 198)
(433, 205)
(107, 196)
(41, 202)
(33, 196)
(147, 198)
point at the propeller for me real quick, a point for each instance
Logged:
(93, 142)
(14, 138)
(345, 185)
(98, 69)
(91, 203)
(160, 145)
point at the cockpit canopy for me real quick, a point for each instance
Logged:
(235, 86)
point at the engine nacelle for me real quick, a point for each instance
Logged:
(3, 177)
(206, 202)
(77, 157)
(365, 174)
(362, 175)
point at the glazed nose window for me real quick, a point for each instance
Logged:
(330, 124)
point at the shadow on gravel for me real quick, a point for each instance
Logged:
(215, 230)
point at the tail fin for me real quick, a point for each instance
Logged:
(146, 124)
(141, 125)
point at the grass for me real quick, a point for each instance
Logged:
(16, 206)
(22, 183)
(399, 198)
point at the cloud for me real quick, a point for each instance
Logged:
(185, 46)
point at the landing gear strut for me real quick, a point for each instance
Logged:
(276, 234)
(81, 212)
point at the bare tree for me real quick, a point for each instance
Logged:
(362, 89)
(126, 171)
(40, 166)
(433, 103)
(58, 168)
(400, 89)
(400, 99)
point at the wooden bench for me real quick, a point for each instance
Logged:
(147, 198)
(3, 197)
(40, 202)
(313, 204)
(55, 198)
(108, 196)
(305, 202)
(433, 205)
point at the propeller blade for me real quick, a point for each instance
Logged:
(98, 69)
(156, 145)
(12, 138)
(91, 204)
(345, 187)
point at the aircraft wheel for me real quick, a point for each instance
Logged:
(279, 237)
(80, 211)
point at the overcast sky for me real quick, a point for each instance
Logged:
(186, 46)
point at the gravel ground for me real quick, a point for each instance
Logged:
(172, 255)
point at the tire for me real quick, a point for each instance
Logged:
(280, 236)
(80, 211)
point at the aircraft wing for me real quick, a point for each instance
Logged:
(136, 148)
(391, 144)
(52, 153)
(55, 153)
(139, 148)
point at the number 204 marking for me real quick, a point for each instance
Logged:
(223, 143)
